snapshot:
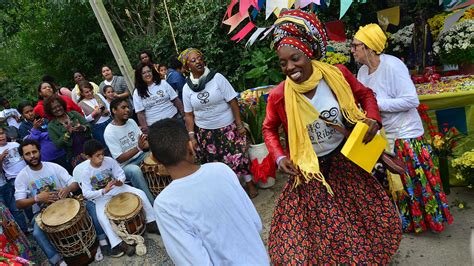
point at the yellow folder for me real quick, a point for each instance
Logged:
(364, 155)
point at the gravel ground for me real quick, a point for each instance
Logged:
(451, 247)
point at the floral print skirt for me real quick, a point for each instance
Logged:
(358, 225)
(224, 145)
(424, 206)
(18, 247)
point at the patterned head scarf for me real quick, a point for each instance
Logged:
(372, 36)
(300, 30)
(184, 55)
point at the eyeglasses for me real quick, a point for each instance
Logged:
(355, 45)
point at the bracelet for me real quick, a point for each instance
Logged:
(36, 199)
(239, 127)
(138, 148)
(191, 133)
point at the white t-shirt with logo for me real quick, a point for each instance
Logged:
(51, 177)
(121, 139)
(93, 180)
(159, 104)
(11, 113)
(12, 163)
(324, 137)
(211, 106)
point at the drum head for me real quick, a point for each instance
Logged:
(61, 212)
(149, 160)
(123, 204)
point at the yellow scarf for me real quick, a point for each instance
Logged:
(300, 113)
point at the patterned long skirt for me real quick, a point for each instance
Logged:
(425, 205)
(358, 225)
(224, 145)
(18, 247)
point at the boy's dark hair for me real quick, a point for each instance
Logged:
(54, 98)
(27, 142)
(2, 130)
(168, 141)
(3, 100)
(115, 103)
(22, 106)
(92, 146)
(174, 63)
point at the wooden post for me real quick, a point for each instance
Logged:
(114, 42)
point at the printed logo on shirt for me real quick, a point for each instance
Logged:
(101, 179)
(12, 157)
(160, 93)
(43, 184)
(153, 100)
(203, 97)
(128, 142)
(319, 131)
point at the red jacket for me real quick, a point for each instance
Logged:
(70, 106)
(276, 114)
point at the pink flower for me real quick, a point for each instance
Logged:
(211, 148)
(230, 135)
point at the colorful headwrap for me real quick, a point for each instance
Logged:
(184, 55)
(300, 30)
(372, 36)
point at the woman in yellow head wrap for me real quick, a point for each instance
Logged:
(331, 211)
(424, 205)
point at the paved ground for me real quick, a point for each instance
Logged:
(451, 247)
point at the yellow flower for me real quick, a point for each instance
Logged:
(461, 205)
(438, 142)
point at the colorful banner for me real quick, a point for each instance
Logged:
(345, 4)
(275, 6)
(243, 32)
(254, 36)
(235, 20)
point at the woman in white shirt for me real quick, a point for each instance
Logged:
(213, 117)
(154, 99)
(96, 110)
(424, 206)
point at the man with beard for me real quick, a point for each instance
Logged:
(126, 143)
(42, 183)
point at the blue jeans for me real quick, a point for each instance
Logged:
(50, 251)
(134, 174)
(7, 196)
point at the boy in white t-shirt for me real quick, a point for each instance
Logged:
(12, 164)
(102, 178)
(12, 116)
(204, 215)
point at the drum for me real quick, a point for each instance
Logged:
(70, 229)
(155, 174)
(127, 209)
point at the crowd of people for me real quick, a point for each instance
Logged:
(94, 138)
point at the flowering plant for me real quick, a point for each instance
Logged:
(443, 142)
(464, 166)
(333, 58)
(400, 41)
(454, 46)
(340, 47)
(253, 111)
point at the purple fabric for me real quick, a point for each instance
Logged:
(49, 151)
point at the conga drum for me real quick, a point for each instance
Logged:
(126, 209)
(70, 229)
(155, 174)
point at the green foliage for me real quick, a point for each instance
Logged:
(263, 68)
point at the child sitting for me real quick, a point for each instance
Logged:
(102, 178)
(204, 215)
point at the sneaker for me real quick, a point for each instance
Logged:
(152, 228)
(128, 249)
(115, 252)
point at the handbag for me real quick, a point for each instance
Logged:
(390, 161)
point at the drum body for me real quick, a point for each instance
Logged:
(156, 175)
(70, 229)
(127, 209)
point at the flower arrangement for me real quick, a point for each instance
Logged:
(253, 111)
(454, 46)
(436, 24)
(333, 58)
(340, 47)
(464, 166)
(443, 142)
(400, 41)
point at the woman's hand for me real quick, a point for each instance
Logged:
(373, 128)
(287, 167)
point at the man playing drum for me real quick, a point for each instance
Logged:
(40, 184)
(101, 179)
(126, 144)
